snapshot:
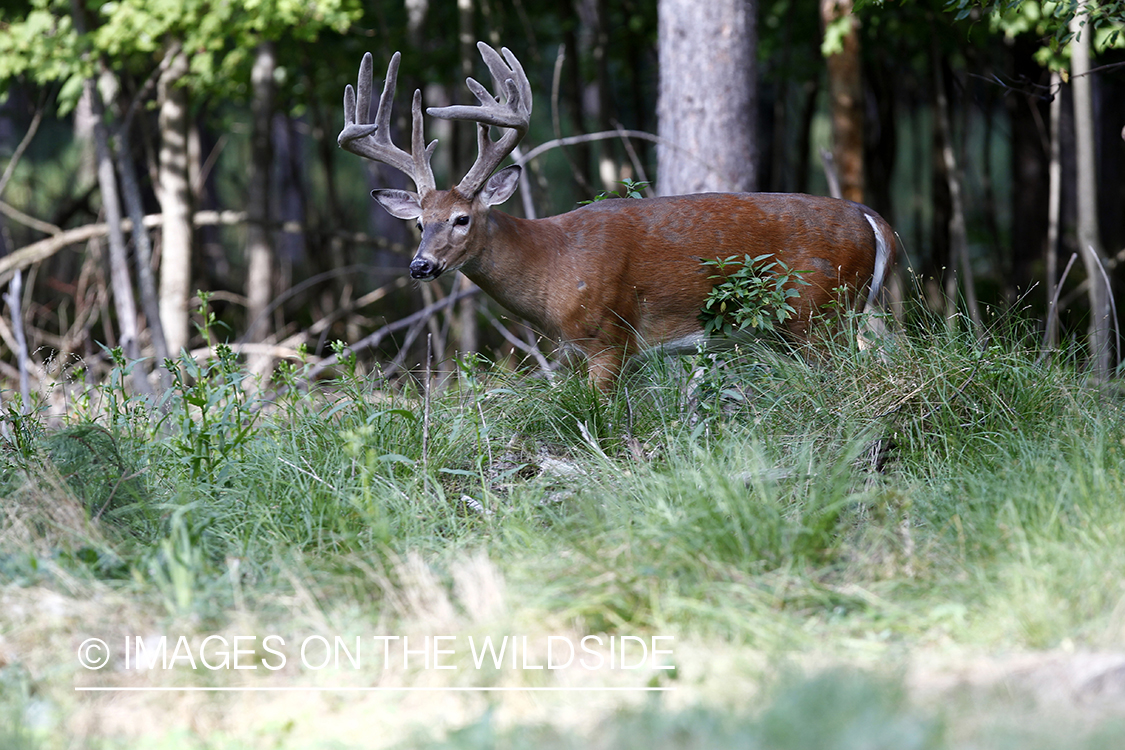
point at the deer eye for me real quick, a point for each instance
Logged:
(461, 220)
(419, 226)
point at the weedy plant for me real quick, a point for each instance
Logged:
(758, 520)
(629, 189)
(209, 403)
(754, 296)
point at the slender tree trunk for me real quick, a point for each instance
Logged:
(940, 263)
(1029, 166)
(175, 203)
(123, 300)
(988, 192)
(881, 138)
(609, 172)
(1089, 244)
(570, 91)
(259, 250)
(1054, 203)
(780, 176)
(958, 237)
(811, 91)
(14, 298)
(150, 300)
(845, 96)
(708, 90)
(120, 280)
(468, 332)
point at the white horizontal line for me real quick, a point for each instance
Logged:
(368, 689)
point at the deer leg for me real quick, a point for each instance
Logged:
(605, 365)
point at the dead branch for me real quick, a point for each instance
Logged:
(1053, 310)
(43, 249)
(528, 349)
(601, 136)
(374, 339)
(23, 144)
(15, 305)
(20, 217)
(1110, 264)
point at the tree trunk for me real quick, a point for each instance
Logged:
(845, 97)
(259, 250)
(175, 203)
(150, 300)
(1029, 166)
(609, 172)
(1089, 244)
(960, 262)
(122, 283)
(811, 92)
(939, 263)
(707, 101)
(14, 298)
(1054, 214)
(467, 331)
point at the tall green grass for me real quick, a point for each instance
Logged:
(943, 489)
(755, 464)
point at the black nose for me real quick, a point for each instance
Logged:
(423, 268)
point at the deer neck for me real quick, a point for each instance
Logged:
(514, 266)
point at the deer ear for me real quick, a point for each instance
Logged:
(401, 204)
(501, 185)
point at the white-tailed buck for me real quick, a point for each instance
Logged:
(615, 276)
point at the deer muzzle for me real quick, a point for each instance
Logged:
(425, 269)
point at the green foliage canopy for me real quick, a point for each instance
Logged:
(39, 42)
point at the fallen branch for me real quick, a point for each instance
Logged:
(528, 349)
(45, 248)
(374, 339)
(276, 351)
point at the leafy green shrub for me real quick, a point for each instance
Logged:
(754, 296)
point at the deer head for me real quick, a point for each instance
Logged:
(453, 222)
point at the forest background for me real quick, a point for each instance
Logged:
(228, 412)
(217, 123)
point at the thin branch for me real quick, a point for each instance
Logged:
(604, 135)
(1053, 309)
(27, 220)
(411, 336)
(24, 143)
(146, 88)
(374, 339)
(1112, 306)
(635, 159)
(556, 83)
(532, 351)
(43, 249)
(427, 389)
(1110, 264)
(1030, 88)
(15, 305)
(324, 323)
(293, 291)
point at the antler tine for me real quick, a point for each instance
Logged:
(513, 115)
(507, 69)
(371, 138)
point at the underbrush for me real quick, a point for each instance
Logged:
(939, 489)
